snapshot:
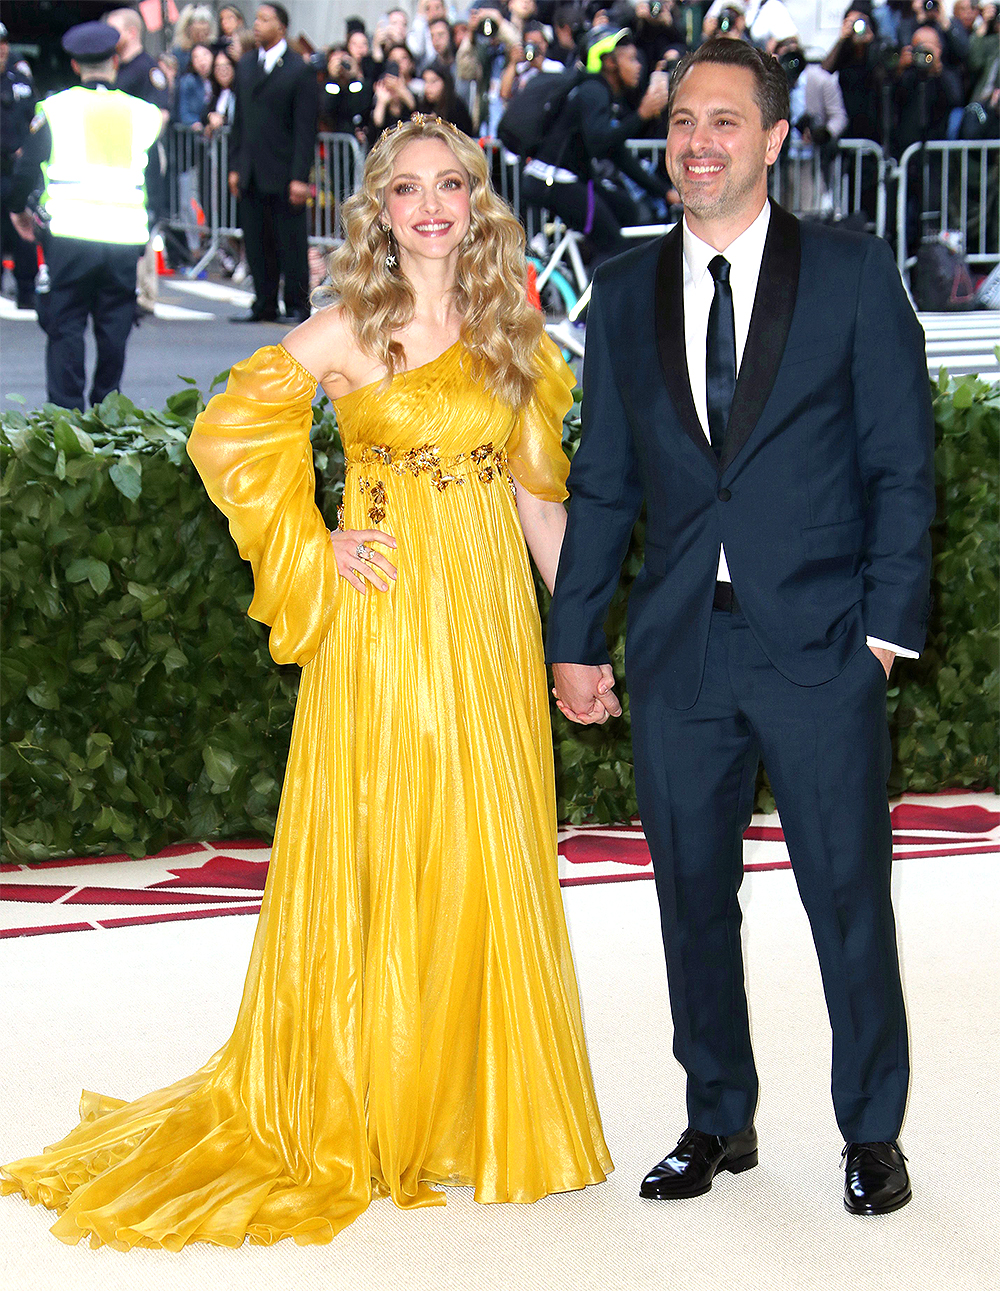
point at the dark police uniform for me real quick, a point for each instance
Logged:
(17, 107)
(142, 78)
(91, 143)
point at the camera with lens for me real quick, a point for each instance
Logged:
(485, 31)
(728, 19)
(793, 63)
(924, 59)
(930, 6)
(655, 9)
(859, 27)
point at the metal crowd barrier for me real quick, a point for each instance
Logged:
(850, 180)
(505, 171)
(958, 179)
(949, 186)
(200, 206)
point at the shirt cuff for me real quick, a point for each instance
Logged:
(901, 651)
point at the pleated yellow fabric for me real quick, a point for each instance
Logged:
(411, 1014)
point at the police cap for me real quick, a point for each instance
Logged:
(91, 42)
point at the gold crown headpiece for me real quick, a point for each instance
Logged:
(419, 119)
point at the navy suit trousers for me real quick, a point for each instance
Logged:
(826, 749)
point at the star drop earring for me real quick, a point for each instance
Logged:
(390, 259)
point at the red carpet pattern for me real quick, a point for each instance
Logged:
(203, 881)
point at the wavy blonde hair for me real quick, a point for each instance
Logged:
(500, 328)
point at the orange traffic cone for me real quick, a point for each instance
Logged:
(532, 287)
(163, 270)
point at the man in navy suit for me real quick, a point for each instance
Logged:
(761, 385)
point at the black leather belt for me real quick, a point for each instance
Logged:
(725, 599)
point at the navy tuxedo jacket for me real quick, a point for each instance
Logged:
(825, 490)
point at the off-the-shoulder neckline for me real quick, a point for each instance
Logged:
(405, 373)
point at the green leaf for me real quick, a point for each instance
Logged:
(95, 571)
(126, 475)
(44, 695)
(220, 765)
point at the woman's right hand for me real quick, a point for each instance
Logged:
(355, 569)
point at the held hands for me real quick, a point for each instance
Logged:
(298, 192)
(585, 692)
(351, 566)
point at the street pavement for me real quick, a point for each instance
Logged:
(191, 336)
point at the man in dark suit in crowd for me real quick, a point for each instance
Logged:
(271, 152)
(761, 385)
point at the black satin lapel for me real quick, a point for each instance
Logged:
(669, 309)
(769, 323)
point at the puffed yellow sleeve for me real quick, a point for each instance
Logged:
(535, 452)
(251, 448)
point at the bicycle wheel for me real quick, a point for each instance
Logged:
(557, 295)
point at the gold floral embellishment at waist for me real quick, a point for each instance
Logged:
(483, 461)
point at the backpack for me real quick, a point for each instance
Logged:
(532, 111)
(941, 281)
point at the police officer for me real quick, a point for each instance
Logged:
(17, 107)
(91, 144)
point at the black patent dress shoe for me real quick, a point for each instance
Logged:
(254, 317)
(877, 1181)
(689, 1170)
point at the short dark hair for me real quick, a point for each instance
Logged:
(280, 12)
(770, 82)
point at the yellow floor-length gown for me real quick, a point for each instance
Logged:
(411, 1014)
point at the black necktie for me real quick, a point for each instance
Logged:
(720, 357)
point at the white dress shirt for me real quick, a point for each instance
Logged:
(744, 254)
(268, 57)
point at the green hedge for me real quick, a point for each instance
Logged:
(141, 707)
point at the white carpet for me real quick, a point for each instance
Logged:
(125, 1013)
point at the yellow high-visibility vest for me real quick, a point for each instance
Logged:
(95, 177)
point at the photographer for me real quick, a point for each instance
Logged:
(728, 23)
(527, 60)
(818, 116)
(481, 59)
(925, 91)
(657, 33)
(577, 171)
(954, 39)
(764, 21)
(394, 100)
(359, 47)
(817, 119)
(858, 59)
(346, 98)
(567, 26)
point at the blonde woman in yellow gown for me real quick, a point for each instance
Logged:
(411, 1015)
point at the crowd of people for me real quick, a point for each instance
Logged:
(901, 69)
